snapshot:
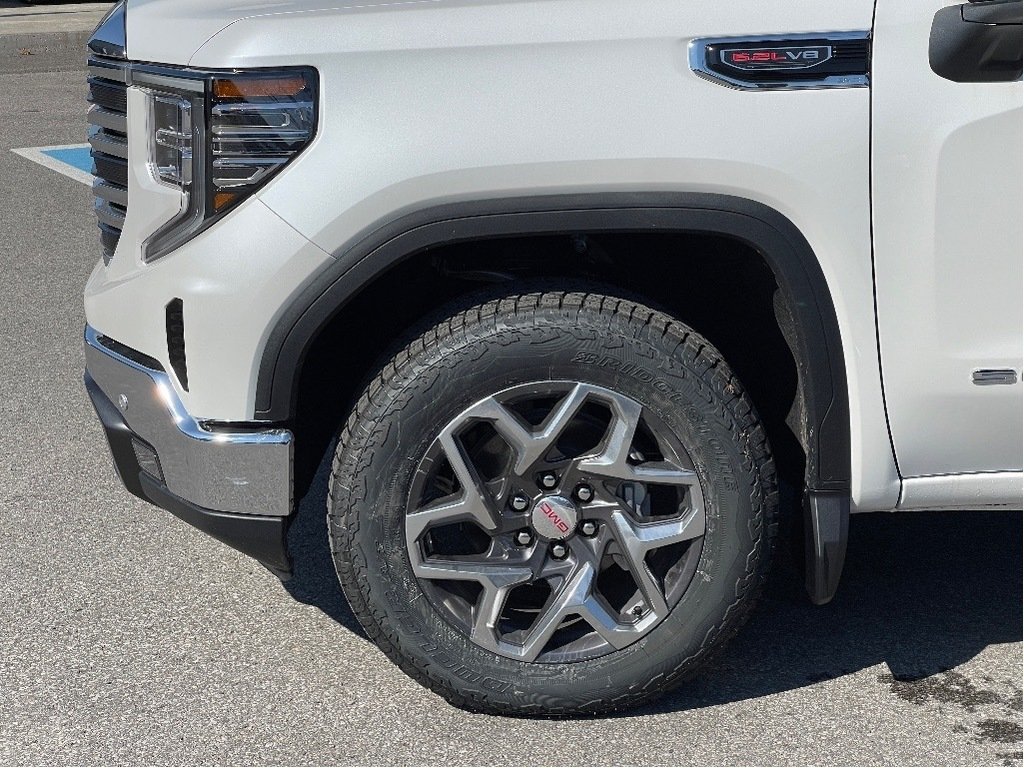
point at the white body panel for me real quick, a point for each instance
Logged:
(236, 280)
(948, 253)
(425, 103)
(505, 99)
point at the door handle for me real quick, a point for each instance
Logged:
(977, 42)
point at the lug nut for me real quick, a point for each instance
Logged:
(524, 538)
(588, 527)
(519, 502)
(558, 551)
(584, 493)
(548, 480)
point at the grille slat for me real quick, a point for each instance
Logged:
(112, 96)
(108, 238)
(109, 215)
(111, 169)
(108, 137)
(112, 193)
(109, 144)
(105, 118)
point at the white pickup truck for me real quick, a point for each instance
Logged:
(571, 289)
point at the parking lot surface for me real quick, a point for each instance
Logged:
(40, 36)
(127, 637)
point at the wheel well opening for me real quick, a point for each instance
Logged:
(722, 288)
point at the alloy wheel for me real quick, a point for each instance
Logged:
(555, 521)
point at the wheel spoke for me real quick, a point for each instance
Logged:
(613, 462)
(496, 578)
(649, 586)
(486, 615)
(530, 446)
(662, 473)
(496, 574)
(636, 540)
(613, 632)
(577, 596)
(473, 503)
(571, 596)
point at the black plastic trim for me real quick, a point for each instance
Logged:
(977, 42)
(261, 537)
(119, 438)
(993, 12)
(816, 339)
(175, 322)
(827, 526)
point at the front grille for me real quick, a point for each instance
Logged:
(108, 137)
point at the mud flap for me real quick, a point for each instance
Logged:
(826, 530)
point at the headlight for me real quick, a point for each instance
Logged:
(221, 136)
(171, 149)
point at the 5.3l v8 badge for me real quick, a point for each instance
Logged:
(784, 62)
(789, 57)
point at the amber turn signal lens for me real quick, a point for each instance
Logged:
(222, 200)
(255, 87)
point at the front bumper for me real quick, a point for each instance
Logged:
(234, 484)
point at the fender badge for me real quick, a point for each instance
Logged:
(784, 62)
(789, 57)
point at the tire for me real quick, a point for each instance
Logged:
(536, 647)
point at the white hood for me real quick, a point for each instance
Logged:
(171, 31)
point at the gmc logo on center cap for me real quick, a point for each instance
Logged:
(550, 514)
(787, 57)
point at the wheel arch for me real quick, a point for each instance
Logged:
(806, 315)
(808, 319)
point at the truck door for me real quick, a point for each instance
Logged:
(946, 207)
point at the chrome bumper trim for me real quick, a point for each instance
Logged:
(247, 472)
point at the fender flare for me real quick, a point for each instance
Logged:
(814, 337)
(811, 329)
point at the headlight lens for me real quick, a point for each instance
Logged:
(221, 140)
(171, 150)
(257, 124)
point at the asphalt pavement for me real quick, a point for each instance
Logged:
(127, 637)
(43, 36)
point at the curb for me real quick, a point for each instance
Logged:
(24, 44)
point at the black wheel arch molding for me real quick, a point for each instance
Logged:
(812, 333)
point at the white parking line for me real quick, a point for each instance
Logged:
(37, 155)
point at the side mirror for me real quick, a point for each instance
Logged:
(977, 42)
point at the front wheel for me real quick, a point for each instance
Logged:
(552, 503)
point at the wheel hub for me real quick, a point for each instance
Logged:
(554, 517)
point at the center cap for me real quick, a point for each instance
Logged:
(555, 517)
